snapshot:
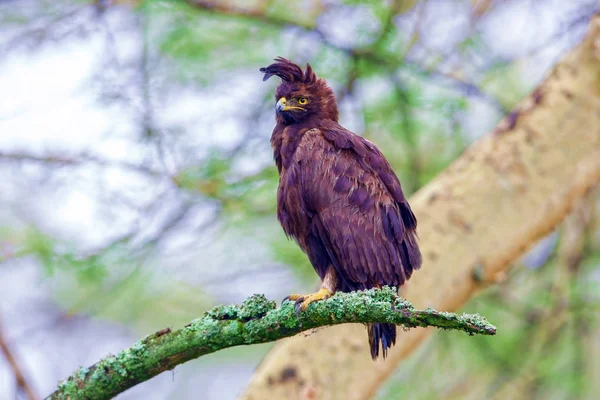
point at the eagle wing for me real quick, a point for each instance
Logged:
(360, 221)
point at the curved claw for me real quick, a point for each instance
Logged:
(292, 297)
(302, 302)
(298, 306)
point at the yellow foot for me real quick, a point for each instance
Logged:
(303, 301)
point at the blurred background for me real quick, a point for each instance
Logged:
(138, 189)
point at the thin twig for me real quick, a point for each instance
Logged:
(14, 365)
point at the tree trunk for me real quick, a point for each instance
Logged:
(508, 190)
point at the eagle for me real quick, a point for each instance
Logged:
(338, 197)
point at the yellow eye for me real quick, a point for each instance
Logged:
(302, 101)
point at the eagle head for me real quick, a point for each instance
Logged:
(301, 94)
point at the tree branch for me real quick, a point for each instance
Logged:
(22, 382)
(78, 160)
(250, 13)
(255, 321)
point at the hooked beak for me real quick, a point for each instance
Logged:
(282, 106)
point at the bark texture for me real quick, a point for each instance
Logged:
(508, 190)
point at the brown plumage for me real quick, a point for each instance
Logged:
(338, 196)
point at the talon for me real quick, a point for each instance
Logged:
(292, 297)
(302, 302)
(297, 308)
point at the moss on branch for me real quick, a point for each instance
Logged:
(257, 320)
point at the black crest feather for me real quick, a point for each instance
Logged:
(288, 71)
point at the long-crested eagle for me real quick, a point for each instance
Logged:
(338, 197)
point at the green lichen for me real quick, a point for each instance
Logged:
(223, 312)
(82, 372)
(255, 306)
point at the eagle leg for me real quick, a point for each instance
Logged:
(328, 288)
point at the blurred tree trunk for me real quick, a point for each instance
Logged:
(504, 193)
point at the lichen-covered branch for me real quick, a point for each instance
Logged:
(257, 320)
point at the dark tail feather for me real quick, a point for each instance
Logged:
(381, 333)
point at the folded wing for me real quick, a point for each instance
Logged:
(361, 223)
